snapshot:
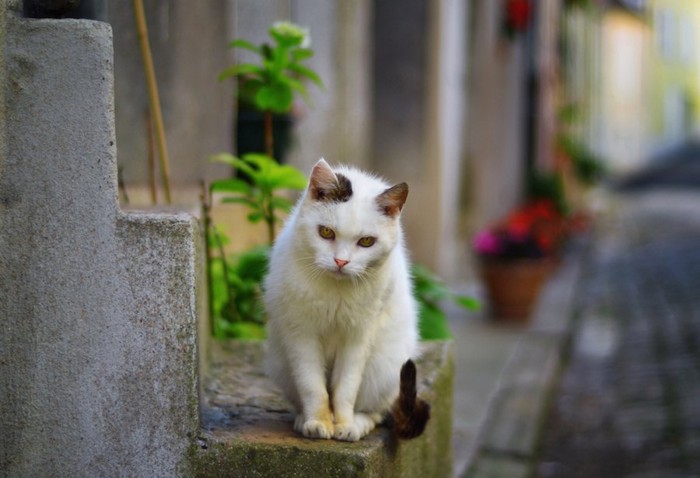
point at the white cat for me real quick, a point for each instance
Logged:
(341, 314)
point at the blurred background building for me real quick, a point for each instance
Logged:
(461, 99)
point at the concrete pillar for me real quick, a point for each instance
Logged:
(445, 128)
(418, 128)
(495, 145)
(98, 353)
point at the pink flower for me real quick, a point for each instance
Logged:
(488, 243)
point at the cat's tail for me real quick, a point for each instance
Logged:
(409, 414)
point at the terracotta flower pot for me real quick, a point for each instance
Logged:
(513, 286)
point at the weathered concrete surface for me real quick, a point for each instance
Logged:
(248, 426)
(98, 355)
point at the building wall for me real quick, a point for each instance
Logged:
(419, 99)
(393, 99)
(607, 76)
(624, 90)
(197, 108)
(495, 136)
(675, 70)
(334, 123)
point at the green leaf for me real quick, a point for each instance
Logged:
(226, 158)
(263, 162)
(297, 85)
(248, 88)
(241, 200)
(281, 203)
(232, 185)
(432, 323)
(277, 98)
(218, 235)
(242, 69)
(468, 303)
(287, 177)
(306, 72)
(266, 51)
(428, 287)
(235, 162)
(281, 61)
(242, 330)
(245, 44)
(255, 217)
(252, 264)
(301, 54)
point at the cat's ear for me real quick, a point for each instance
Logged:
(325, 185)
(392, 200)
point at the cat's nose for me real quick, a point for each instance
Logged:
(340, 263)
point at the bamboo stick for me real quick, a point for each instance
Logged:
(153, 97)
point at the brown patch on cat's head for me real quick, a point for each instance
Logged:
(392, 200)
(325, 185)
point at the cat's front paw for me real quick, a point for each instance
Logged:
(353, 430)
(314, 428)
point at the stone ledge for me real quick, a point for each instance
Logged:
(247, 426)
(509, 438)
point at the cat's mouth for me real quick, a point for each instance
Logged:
(338, 273)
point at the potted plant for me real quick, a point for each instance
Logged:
(266, 92)
(267, 88)
(517, 254)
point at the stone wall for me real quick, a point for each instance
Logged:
(98, 354)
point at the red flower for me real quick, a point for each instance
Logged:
(534, 230)
(518, 14)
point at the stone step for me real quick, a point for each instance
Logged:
(247, 426)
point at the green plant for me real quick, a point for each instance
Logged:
(266, 178)
(237, 309)
(235, 281)
(587, 166)
(430, 291)
(270, 85)
(549, 186)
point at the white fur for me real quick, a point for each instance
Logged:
(337, 338)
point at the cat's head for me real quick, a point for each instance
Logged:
(349, 220)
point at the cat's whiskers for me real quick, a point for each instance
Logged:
(307, 265)
(362, 279)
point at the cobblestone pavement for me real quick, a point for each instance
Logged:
(628, 403)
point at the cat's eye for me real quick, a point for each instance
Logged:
(326, 232)
(367, 241)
